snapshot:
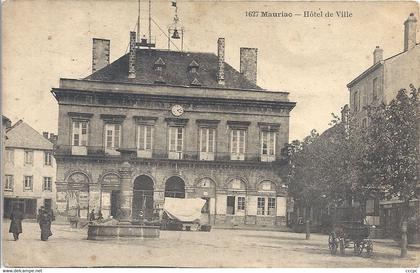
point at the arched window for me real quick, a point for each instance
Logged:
(206, 183)
(267, 186)
(79, 178)
(78, 181)
(237, 184)
(175, 187)
(110, 180)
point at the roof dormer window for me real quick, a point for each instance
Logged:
(159, 64)
(193, 67)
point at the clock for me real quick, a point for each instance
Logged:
(177, 110)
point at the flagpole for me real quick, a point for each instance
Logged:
(138, 24)
(150, 22)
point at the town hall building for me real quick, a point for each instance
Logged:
(158, 123)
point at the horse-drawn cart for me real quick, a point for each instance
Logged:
(350, 234)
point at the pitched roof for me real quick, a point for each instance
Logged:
(5, 124)
(176, 70)
(5, 119)
(373, 67)
(21, 135)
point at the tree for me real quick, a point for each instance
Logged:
(350, 161)
(319, 171)
(394, 157)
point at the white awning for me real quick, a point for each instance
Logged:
(184, 209)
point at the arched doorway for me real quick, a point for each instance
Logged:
(175, 187)
(78, 195)
(110, 193)
(236, 197)
(206, 189)
(143, 197)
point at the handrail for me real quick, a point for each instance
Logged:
(100, 151)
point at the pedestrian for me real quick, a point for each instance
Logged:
(92, 215)
(16, 218)
(100, 216)
(45, 219)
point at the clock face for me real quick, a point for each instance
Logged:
(177, 110)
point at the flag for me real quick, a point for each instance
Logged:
(173, 3)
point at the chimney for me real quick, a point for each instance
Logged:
(345, 113)
(53, 138)
(378, 55)
(45, 135)
(132, 56)
(410, 32)
(248, 66)
(221, 63)
(100, 53)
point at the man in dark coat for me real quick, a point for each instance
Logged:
(45, 219)
(100, 216)
(16, 224)
(92, 215)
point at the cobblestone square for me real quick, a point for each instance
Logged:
(219, 248)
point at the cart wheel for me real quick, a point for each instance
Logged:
(332, 244)
(358, 248)
(369, 248)
(342, 247)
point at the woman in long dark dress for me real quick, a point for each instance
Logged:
(45, 219)
(16, 224)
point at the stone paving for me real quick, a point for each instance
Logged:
(219, 248)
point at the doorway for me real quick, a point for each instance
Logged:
(230, 205)
(143, 197)
(114, 203)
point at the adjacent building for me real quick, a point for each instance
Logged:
(28, 170)
(159, 123)
(380, 83)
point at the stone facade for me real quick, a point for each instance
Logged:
(29, 171)
(125, 146)
(380, 83)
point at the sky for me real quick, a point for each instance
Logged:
(313, 58)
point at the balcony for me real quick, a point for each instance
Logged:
(191, 155)
(206, 156)
(237, 156)
(144, 153)
(175, 155)
(268, 158)
(78, 150)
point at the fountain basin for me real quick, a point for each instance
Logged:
(106, 232)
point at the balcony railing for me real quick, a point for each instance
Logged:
(99, 151)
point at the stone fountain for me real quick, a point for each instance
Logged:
(123, 228)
